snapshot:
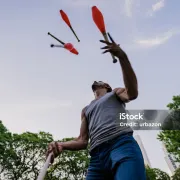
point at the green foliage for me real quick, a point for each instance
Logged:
(172, 122)
(5, 153)
(160, 175)
(69, 165)
(171, 138)
(23, 155)
(176, 175)
(156, 174)
(150, 173)
(175, 105)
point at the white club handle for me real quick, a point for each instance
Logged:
(44, 169)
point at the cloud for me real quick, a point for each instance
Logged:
(158, 40)
(156, 7)
(128, 7)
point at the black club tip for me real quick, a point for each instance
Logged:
(114, 60)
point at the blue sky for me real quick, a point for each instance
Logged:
(45, 89)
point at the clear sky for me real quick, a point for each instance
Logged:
(45, 89)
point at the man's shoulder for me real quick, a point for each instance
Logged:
(118, 89)
(85, 108)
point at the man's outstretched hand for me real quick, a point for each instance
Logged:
(113, 48)
(55, 148)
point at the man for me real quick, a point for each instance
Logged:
(114, 152)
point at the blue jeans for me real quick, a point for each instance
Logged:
(118, 159)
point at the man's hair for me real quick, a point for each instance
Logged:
(102, 84)
(109, 89)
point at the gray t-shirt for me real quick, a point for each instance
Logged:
(103, 119)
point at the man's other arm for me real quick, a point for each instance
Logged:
(82, 141)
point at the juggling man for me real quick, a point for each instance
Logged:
(114, 152)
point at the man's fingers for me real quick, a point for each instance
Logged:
(57, 147)
(52, 158)
(106, 51)
(55, 151)
(48, 151)
(111, 46)
(52, 148)
(106, 42)
(106, 47)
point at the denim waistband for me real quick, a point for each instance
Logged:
(109, 142)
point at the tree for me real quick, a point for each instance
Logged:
(175, 112)
(160, 175)
(23, 155)
(69, 165)
(176, 175)
(150, 174)
(5, 138)
(156, 174)
(171, 138)
(175, 104)
(172, 121)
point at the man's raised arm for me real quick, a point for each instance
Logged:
(130, 80)
(130, 91)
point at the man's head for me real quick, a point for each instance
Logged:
(100, 88)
